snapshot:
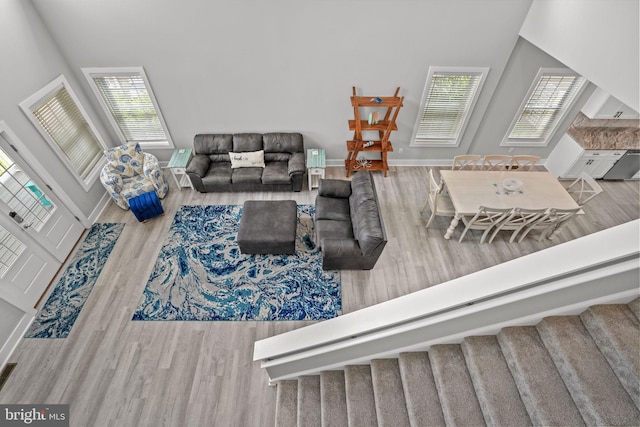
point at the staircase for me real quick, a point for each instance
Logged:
(566, 370)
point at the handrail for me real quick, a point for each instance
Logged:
(560, 279)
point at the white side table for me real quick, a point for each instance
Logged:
(178, 167)
(316, 164)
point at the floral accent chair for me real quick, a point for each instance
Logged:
(129, 173)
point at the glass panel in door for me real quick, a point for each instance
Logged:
(29, 205)
(35, 209)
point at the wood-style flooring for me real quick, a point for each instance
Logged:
(116, 372)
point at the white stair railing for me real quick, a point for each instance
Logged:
(600, 268)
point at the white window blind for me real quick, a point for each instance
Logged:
(448, 100)
(128, 100)
(61, 118)
(551, 95)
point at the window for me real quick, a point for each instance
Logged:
(126, 97)
(58, 115)
(550, 97)
(449, 96)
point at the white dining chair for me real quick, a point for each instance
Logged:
(496, 162)
(584, 188)
(466, 162)
(523, 162)
(485, 219)
(517, 220)
(439, 203)
(549, 224)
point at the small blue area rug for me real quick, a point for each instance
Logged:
(59, 313)
(200, 273)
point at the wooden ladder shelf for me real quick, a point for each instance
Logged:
(384, 127)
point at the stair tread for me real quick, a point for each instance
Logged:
(634, 306)
(423, 404)
(287, 403)
(391, 407)
(616, 332)
(599, 395)
(497, 392)
(361, 407)
(543, 391)
(334, 399)
(459, 402)
(309, 413)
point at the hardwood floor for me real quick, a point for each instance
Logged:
(116, 372)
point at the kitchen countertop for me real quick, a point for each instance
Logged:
(604, 137)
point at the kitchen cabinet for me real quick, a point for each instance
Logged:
(595, 162)
(568, 159)
(603, 106)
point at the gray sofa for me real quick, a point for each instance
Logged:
(349, 227)
(284, 162)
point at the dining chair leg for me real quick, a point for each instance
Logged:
(484, 235)
(493, 235)
(433, 215)
(462, 235)
(524, 233)
(515, 234)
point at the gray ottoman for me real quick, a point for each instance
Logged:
(268, 227)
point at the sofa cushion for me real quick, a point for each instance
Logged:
(247, 159)
(332, 208)
(213, 143)
(276, 157)
(246, 175)
(281, 142)
(338, 188)
(219, 173)
(247, 142)
(275, 173)
(332, 229)
(219, 157)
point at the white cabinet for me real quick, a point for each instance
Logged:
(595, 162)
(603, 106)
(568, 159)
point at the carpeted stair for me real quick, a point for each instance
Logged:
(565, 371)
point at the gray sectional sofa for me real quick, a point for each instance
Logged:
(349, 227)
(210, 169)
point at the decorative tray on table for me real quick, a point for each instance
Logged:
(512, 184)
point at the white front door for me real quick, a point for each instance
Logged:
(37, 232)
(28, 202)
(26, 268)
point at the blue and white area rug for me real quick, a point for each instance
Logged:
(200, 273)
(59, 313)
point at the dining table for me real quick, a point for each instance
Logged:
(469, 190)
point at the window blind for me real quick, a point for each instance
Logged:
(63, 121)
(549, 99)
(448, 102)
(128, 101)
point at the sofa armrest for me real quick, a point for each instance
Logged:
(296, 164)
(334, 188)
(340, 248)
(199, 165)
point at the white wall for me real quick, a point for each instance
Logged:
(243, 65)
(517, 78)
(599, 39)
(30, 60)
